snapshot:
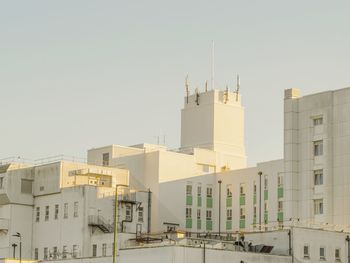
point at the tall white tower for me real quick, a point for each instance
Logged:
(214, 120)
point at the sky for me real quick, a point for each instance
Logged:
(81, 74)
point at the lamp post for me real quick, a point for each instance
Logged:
(20, 245)
(220, 181)
(14, 245)
(115, 221)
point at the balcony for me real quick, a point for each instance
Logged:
(100, 223)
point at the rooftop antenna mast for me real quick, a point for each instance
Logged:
(187, 90)
(212, 65)
(237, 88)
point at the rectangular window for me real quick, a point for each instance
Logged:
(229, 191)
(56, 212)
(254, 188)
(76, 207)
(46, 253)
(188, 189)
(128, 208)
(242, 189)
(188, 212)
(75, 251)
(199, 190)
(1, 182)
(306, 251)
(229, 214)
(140, 214)
(208, 215)
(318, 177)
(26, 186)
(104, 249)
(318, 148)
(318, 206)
(198, 214)
(64, 252)
(47, 212)
(54, 253)
(94, 250)
(105, 159)
(266, 206)
(322, 253)
(337, 254)
(242, 213)
(37, 214)
(254, 211)
(280, 181)
(209, 192)
(36, 253)
(318, 121)
(266, 182)
(65, 210)
(280, 205)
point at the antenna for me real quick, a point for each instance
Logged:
(237, 88)
(212, 65)
(187, 91)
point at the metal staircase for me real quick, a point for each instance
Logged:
(101, 223)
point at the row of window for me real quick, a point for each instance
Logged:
(104, 250)
(55, 253)
(56, 211)
(208, 213)
(199, 190)
(322, 253)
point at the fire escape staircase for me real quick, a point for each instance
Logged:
(101, 223)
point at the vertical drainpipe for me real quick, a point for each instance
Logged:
(259, 173)
(220, 181)
(149, 212)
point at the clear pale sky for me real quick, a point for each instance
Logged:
(81, 74)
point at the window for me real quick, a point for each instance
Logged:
(46, 253)
(337, 254)
(56, 212)
(26, 186)
(105, 159)
(75, 251)
(54, 253)
(229, 214)
(229, 191)
(266, 182)
(254, 211)
(41, 188)
(266, 206)
(280, 180)
(242, 213)
(322, 253)
(199, 190)
(242, 189)
(1, 182)
(254, 188)
(318, 177)
(94, 250)
(128, 208)
(47, 212)
(209, 192)
(318, 206)
(306, 251)
(64, 252)
(104, 249)
(198, 214)
(208, 214)
(37, 214)
(280, 205)
(318, 148)
(140, 214)
(36, 253)
(76, 207)
(188, 212)
(65, 210)
(318, 121)
(188, 189)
